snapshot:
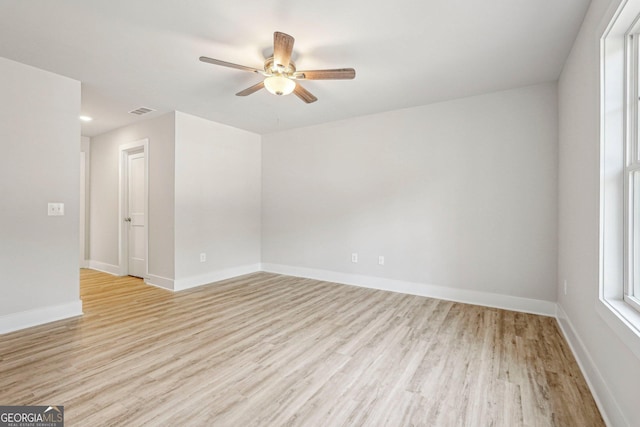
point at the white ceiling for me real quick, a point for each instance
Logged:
(133, 53)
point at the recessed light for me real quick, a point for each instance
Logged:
(85, 118)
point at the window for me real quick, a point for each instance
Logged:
(619, 300)
(631, 293)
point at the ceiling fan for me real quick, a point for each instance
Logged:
(281, 76)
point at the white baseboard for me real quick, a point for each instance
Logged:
(214, 276)
(159, 282)
(26, 319)
(104, 267)
(507, 302)
(613, 416)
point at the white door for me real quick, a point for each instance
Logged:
(83, 208)
(136, 216)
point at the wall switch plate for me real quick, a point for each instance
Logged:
(55, 209)
(380, 260)
(354, 257)
(203, 257)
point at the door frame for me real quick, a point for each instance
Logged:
(123, 231)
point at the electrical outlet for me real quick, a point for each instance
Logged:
(203, 257)
(565, 286)
(380, 260)
(354, 257)
(55, 209)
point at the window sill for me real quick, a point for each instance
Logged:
(624, 320)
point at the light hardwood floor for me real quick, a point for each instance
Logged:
(270, 350)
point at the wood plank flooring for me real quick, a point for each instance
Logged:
(270, 350)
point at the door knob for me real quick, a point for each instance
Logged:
(128, 219)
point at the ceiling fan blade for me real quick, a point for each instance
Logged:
(282, 48)
(228, 64)
(248, 91)
(304, 94)
(337, 74)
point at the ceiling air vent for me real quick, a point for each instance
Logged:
(141, 110)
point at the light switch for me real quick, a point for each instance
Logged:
(55, 209)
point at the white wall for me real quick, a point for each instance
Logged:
(104, 215)
(460, 194)
(204, 197)
(611, 368)
(217, 201)
(39, 136)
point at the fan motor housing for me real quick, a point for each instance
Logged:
(272, 68)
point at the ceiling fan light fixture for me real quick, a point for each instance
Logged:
(279, 85)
